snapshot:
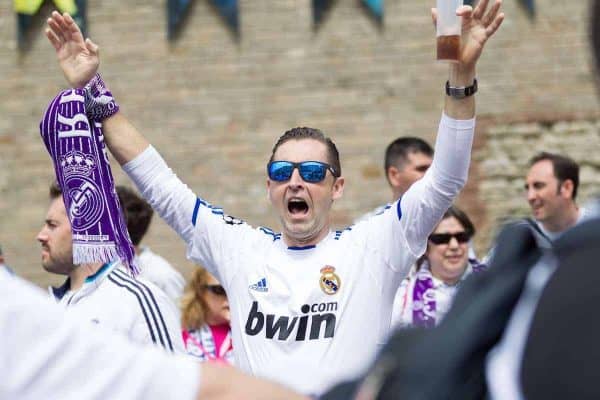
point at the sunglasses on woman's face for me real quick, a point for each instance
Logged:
(216, 289)
(310, 171)
(444, 238)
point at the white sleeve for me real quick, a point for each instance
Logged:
(211, 235)
(400, 232)
(426, 201)
(47, 354)
(165, 192)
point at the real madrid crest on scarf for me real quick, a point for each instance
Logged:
(330, 283)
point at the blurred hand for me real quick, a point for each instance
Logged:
(477, 27)
(78, 58)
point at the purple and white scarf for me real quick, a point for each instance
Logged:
(424, 305)
(76, 145)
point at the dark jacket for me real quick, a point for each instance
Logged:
(447, 362)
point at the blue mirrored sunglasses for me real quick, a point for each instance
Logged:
(310, 171)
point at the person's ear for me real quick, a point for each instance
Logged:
(393, 176)
(337, 190)
(566, 189)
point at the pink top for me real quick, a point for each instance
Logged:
(219, 333)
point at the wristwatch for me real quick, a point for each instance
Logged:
(462, 91)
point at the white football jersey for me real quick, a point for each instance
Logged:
(310, 316)
(113, 301)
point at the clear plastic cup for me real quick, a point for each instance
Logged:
(448, 30)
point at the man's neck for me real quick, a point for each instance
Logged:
(291, 241)
(80, 273)
(396, 194)
(563, 221)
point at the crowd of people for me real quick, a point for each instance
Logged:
(395, 306)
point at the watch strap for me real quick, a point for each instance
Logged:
(462, 91)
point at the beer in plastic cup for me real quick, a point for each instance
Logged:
(448, 30)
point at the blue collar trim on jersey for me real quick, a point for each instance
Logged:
(312, 246)
(102, 269)
(60, 291)
(399, 209)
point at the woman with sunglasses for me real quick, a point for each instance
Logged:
(205, 319)
(425, 296)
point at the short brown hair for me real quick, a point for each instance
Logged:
(333, 156)
(137, 212)
(55, 191)
(564, 168)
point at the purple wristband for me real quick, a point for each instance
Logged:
(99, 101)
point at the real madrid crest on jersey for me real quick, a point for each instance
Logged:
(330, 283)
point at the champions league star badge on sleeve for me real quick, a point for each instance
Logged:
(330, 283)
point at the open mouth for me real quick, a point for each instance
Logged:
(297, 206)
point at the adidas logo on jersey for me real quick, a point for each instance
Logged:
(282, 327)
(260, 286)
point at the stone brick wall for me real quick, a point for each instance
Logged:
(214, 106)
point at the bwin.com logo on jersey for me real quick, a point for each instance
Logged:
(260, 286)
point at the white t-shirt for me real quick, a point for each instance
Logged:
(158, 271)
(309, 317)
(113, 301)
(46, 354)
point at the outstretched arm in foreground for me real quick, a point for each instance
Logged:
(61, 363)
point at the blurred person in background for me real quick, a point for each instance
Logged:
(154, 268)
(406, 160)
(425, 297)
(105, 294)
(205, 319)
(551, 186)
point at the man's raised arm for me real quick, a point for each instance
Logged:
(477, 27)
(79, 61)
(428, 199)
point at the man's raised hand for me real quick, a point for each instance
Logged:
(78, 58)
(477, 27)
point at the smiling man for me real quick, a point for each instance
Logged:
(551, 186)
(309, 306)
